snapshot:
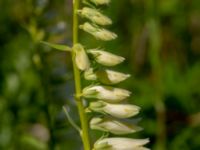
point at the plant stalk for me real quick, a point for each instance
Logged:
(83, 118)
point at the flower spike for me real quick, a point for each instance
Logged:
(107, 100)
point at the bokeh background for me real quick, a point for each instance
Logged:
(160, 40)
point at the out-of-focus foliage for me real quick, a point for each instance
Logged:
(161, 41)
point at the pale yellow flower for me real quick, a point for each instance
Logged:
(95, 16)
(106, 58)
(115, 110)
(106, 93)
(120, 143)
(81, 58)
(98, 33)
(113, 126)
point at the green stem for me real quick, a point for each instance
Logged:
(161, 127)
(79, 101)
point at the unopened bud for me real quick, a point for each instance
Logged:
(100, 2)
(106, 58)
(95, 16)
(101, 34)
(81, 58)
(105, 35)
(115, 110)
(105, 76)
(120, 143)
(106, 93)
(111, 77)
(113, 126)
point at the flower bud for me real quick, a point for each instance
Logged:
(90, 75)
(113, 126)
(81, 58)
(101, 34)
(100, 2)
(119, 143)
(89, 28)
(95, 16)
(105, 35)
(111, 77)
(115, 110)
(105, 76)
(106, 93)
(106, 58)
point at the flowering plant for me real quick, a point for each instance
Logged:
(103, 98)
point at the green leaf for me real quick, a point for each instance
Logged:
(58, 46)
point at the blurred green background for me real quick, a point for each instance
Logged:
(160, 40)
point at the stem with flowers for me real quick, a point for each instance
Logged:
(106, 103)
(83, 118)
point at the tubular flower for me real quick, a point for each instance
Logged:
(113, 126)
(120, 143)
(115, 110)
(106, 58)
(107, 76)
(98, 33)
(81, 58)
(106, 93)
(95, 16)
(111, 77)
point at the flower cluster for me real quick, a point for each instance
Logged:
(108, 100)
